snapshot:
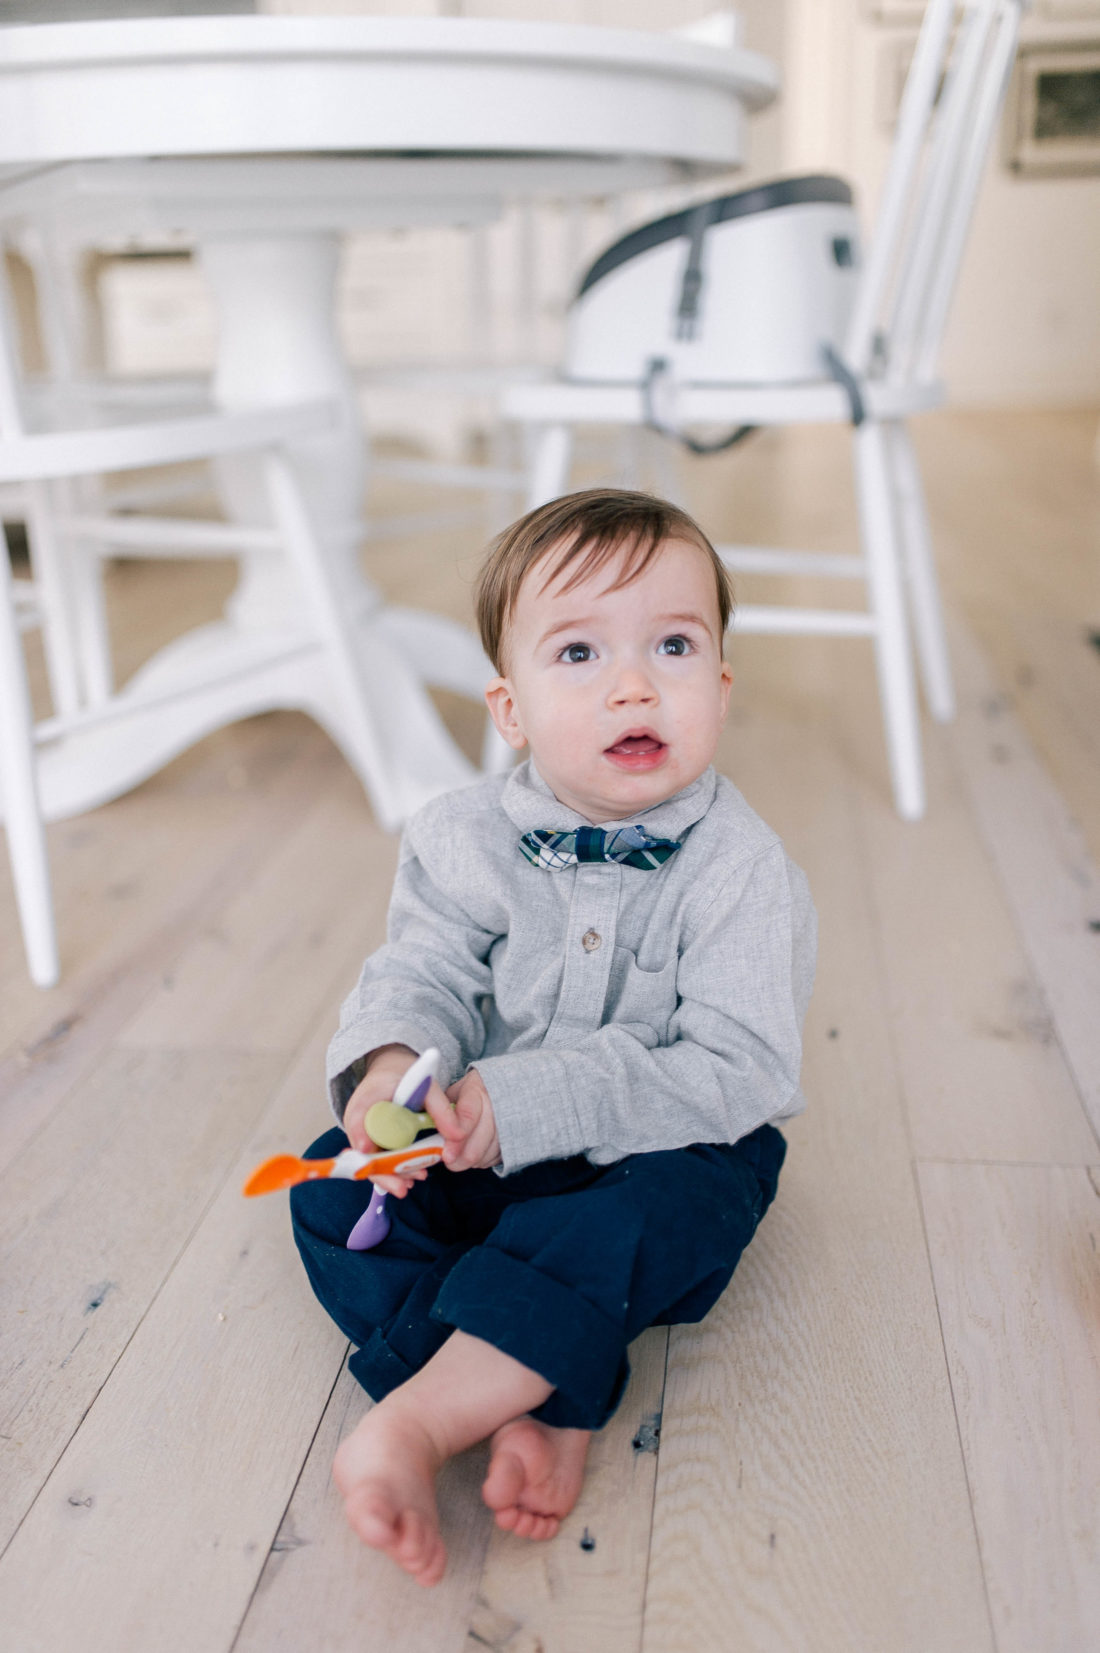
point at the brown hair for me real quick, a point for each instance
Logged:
(588, 529)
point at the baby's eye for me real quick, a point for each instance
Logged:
(576, 653)
(674, 645)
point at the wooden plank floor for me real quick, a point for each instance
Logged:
(885, 1438)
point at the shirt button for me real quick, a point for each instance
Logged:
(590, 940)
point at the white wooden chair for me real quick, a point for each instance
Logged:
(53, 768)
(884, 373)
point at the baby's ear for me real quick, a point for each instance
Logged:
(500, 699)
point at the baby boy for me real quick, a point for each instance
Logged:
(613, 955)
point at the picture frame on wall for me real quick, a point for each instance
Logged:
(1054, 112)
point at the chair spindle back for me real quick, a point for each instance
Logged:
(12, 422)
(952, 97)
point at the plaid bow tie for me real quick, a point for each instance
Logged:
(628, 845)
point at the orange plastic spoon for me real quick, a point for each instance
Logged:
(287, 1170)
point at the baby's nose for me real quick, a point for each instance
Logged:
(632, 685)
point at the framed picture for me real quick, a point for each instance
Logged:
(1055, 126)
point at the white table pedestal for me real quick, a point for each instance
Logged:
(275, 300)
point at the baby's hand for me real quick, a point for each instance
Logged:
(468, 1126)
(388, 1065)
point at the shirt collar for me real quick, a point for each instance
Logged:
(530, 804)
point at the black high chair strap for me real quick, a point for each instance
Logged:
(842, 373)
(656, 368)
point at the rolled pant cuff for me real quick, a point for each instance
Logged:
(546, 1326)
(377, 1368)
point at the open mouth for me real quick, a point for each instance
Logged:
(641, 749)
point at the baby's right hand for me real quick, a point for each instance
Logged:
(387, 1067)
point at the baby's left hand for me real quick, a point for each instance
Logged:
(468, 1126)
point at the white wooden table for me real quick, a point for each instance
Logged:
(262, 140)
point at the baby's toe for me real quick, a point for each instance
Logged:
(504, 1481)
(420, 1549)
(435, 1568)
(412, 1547)
(371, 1516)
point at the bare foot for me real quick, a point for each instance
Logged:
(535, 1476)
(386, 1470)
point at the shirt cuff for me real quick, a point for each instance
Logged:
(536, 1116)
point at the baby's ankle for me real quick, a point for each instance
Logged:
(390, 1429)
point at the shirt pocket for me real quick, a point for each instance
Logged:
(643, 1001)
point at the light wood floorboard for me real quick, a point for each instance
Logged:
(165, 1504)
(1014, 1252)
(119, 1183)
(270, 945)
(1047, 873)
(982, 1070)
(885, 1435)
(180, 854)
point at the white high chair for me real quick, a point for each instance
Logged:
(880, 371)
(50, 769)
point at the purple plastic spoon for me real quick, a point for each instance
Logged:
(374, 1224)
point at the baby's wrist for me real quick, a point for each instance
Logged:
(389, 1057)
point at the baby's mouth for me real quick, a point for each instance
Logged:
(636, 751)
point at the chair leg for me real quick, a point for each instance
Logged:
(58, 637)
(548, 470)
(895, 670)
(90, 608)
(920, 568)
(19, 794)
(74, 619)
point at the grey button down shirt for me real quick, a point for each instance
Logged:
(610, 1010)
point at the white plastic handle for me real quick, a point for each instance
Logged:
(425, 1067)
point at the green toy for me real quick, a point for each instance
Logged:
(391, 1126)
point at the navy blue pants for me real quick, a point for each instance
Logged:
(560, 1265)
